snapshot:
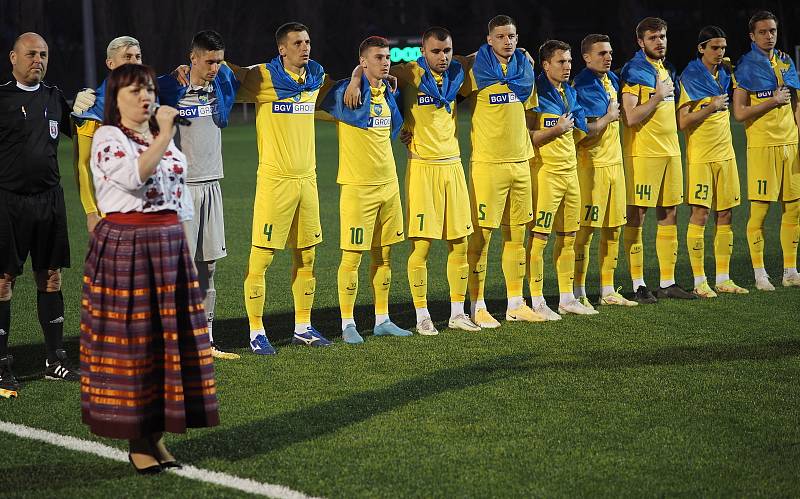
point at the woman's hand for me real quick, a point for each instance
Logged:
(165, 117)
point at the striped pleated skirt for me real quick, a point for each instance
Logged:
(145, 355)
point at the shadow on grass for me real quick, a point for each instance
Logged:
(286, 429)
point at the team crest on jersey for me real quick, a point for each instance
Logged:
(202, 97)
(377, 109)
(296, 98)
(53, 129)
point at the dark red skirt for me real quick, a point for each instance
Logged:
(146, 362)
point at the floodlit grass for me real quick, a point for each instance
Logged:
(680, 398)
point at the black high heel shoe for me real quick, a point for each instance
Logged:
(150, 470)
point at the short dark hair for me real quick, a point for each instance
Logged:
(549, 48)
(285, 29)
(121, 77)
(709, 32)
(372, 41)
(650, 24)
(589, 40)
(501, 20)
(761, 15)
(437, 32)
(208, 40)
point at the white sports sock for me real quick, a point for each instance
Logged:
(665, 283)
(698, 281)
(722, 278)
(564, 298)
(637, 283)
(514, 302)
(478, 304)
(255, 333)
(761, 273)
(301, 328)
(579, 291)
(380, 319)
(536, 301)
(347, 322)
(456, 309)
(210, 334)
(422, 314)
(607, 290)
(790, 271)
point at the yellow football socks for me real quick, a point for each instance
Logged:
(303, 284)
(477, 254)
(696, 244)
(513, 259)
(755, 232)
(667, 252)
(632, 238)
(723, 249)
(609, 249)
(381, 275)
(583, 242)
(790, 232)
(254, 292)
(564, 259)
(536, 264)
(418, 271)
(457, 269)
(347, 281)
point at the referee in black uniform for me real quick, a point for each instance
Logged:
(33, 218)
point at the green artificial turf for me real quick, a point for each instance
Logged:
(677, 399)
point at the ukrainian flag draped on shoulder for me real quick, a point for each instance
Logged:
(519, 74)
(359, 117)
(96, 111)
(639, 71)
(591, 94)
(452, 79)
(286, 87)
(170, 92)
(699, 83)
(754, 72)
(550, 102)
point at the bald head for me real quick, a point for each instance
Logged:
(29, 58)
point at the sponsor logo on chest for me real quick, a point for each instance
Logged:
(504, 98)
(764, 94)
(192, 112)
(550, 122)
(380, 122)
(424, 100)
(293, 107)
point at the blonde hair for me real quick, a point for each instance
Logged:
(119, 43)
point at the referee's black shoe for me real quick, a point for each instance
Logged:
(60, 369)
(7, 379)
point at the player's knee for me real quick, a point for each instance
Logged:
(791, 211)
(513, 233)
(380, 256)
(260, 260)
(610, 234)
(6, 286)
(304, 258)
(48, 281)
(699, 215)
(635, 216)
(419, 253)
(667, 215)
(351, 260)
(724, 217)
(584, 236)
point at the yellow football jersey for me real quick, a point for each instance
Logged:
(776, 127)
(83, 174)
(558, 154)
(499, 132)
(604, 149)
(365, 155)
(658, 135)
(711, 140)
(284, 127)
(434, 129)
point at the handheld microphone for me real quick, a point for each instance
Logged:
(179, 120)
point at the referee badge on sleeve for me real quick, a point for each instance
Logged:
(53, 129)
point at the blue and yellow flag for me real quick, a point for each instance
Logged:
(452, 79)
(591, 94)
(285, 86)
(170, 91)
(96, 111)
(754, 72)
(699, 83)
(550, 102)
(359, 117)
(519, 74)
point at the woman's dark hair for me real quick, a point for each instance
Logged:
(121, 77)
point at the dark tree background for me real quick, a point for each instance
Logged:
(165, 27)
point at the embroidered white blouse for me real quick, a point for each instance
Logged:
(118, 187)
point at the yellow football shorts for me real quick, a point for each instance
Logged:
(370, 216)
(714, 184)
(654, 181)
(437, 201)
(500, 193)
(603, 196)
(556, 199)
(773, 173)
(286, 213)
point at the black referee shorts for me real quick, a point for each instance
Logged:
(33, 224)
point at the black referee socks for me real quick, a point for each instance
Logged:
(50, 308)
(5, 326)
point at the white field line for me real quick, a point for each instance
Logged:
(190, 472)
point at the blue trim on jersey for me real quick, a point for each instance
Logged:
(452, 79)
(550, 101)
(754, 73)
(285, 86)
(519, 73)
(591, 94)
(360, 117)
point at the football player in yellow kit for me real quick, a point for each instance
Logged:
(766, 100)
(652, 159)
(712, 178)
(600, 171)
